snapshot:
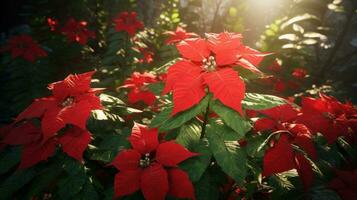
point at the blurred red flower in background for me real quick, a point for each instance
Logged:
(76, 31)
(128, 22)
(24, 46)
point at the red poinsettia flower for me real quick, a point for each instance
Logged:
(137, 84)
(33, 149)
(327, 116)
(299, 73)
(73, 142)
(148, 56)
(209, 62)
(152, 167)
(52, 23)
(282, 157)
(128, 22)
(345, 184)
(279, 86)
(275, 67)
(178, 35)
(24, 46)
(76, 31)
(71, 102)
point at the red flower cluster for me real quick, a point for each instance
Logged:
(299, 73)
(76, 31)
(137, 84)
(210, 62)
(178, 35)
(24, 46)
(329, 117)
(71, 102)
(345, 184)
(282, 156)
(52, 23)
(152, 167)
(128, 22)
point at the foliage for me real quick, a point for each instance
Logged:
(163, 100)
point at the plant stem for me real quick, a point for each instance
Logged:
(205, 119)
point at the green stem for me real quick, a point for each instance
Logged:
(205, 119)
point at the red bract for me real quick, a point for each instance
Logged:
(152, 167)
(74, 141)
(327, 116)
(52, 23)
(128, 22)
(148, 56)
(275, 67)
(299, 73)
(178, 35)
(282, 157)
(30, 137)
(76, 31)
(24, 46)
(71, 102)
(345, 184)
(137, 84)
(209, 63)
(279, 86)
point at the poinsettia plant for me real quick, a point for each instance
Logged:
(166, 113)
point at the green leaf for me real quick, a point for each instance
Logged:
(255, 101)
(228, 155)
(156, 88)
(189, 135)
(231, 118)
(71, 185)
(88, 192)
(8, 159)
(197, 165)
(206, 189)
(15, 182)
(44, 180)
(166, 122)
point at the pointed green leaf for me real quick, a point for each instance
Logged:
(255, 101)
(231, 118)
(166, 122)
(228, 155)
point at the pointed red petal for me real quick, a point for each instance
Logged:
(180, 184)
(181, 68)
(170, 154)
(143, 139)
(188, 92)
(247, 65)
(227, 86)
(154, 182)
(283, 113)
(24, 134)
(194, 49)
(127, 182)
(279, 158)
(36, 152)
(264, 124)
(127, 160)
(77, 114)
(251, 55)
(51, 123)
(135, 95)
(74, 142)
(303, 139)
(72, 85)
(37, 108)
(304, 170)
